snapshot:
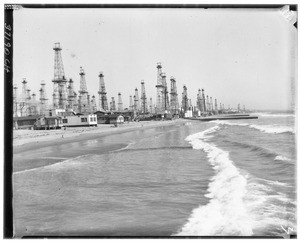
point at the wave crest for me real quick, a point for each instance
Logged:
(225, 214)
(273, 128)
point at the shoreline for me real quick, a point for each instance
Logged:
(33, 139)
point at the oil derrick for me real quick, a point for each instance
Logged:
(33, 105)
(160, 90)
(134, 104)
(150, 106)
(15, 101)
(174, 97)
(28, 102)
(84, 106)
(71, 95)
(76, 102)
(207, 104)
(79, 103)
(165, 95)
(93, 104)
(43, 99)
(144, 108)
(103, 106)
(130, 103)
(216, 107)
(203, 102)
(23, 100)
(88, 103)
(120, 103)
(59, 81)
(184, 103)
(136, 100)
(113, 104)
(190, 104)
(198, 101)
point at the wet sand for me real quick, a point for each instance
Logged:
(33, 149)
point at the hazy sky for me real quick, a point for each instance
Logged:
(238, 56)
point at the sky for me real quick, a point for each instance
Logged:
(238, 56)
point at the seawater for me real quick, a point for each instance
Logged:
(221, 178)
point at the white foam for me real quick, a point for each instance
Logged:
(225, 214)
(229, 123)
(264, 128)
(282, 158)
(273, 128)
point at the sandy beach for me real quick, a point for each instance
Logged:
(23, 139)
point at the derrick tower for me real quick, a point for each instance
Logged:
(93, 104)
(33, 105)
(112, 104)
(198, 101)
(165, 95)
(136, 100)
(130, 103)
(59, 81)
(84, 100)
(103, 106)
(184, 102)
(211, 104)
(71, 95)
(160, 90)
(150, 106)
(28, 102)
(216, 107)
(144, 108)
(15, 101)
(120, 103)
(190, 104)
(174, 97)
(43, 98)
(23, 102)
(203, 102)
(207, 104)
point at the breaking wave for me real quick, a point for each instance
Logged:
(59, 164)
(229, 123)
(273, 128)
(263, 128)
(225, 214)
(282, 158)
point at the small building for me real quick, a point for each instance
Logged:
(48, 122)
(25, 122)
(79, 121)
(102, 117)
(120, 119)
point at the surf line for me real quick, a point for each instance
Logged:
(225, 214)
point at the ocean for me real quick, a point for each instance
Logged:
(219, 178)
